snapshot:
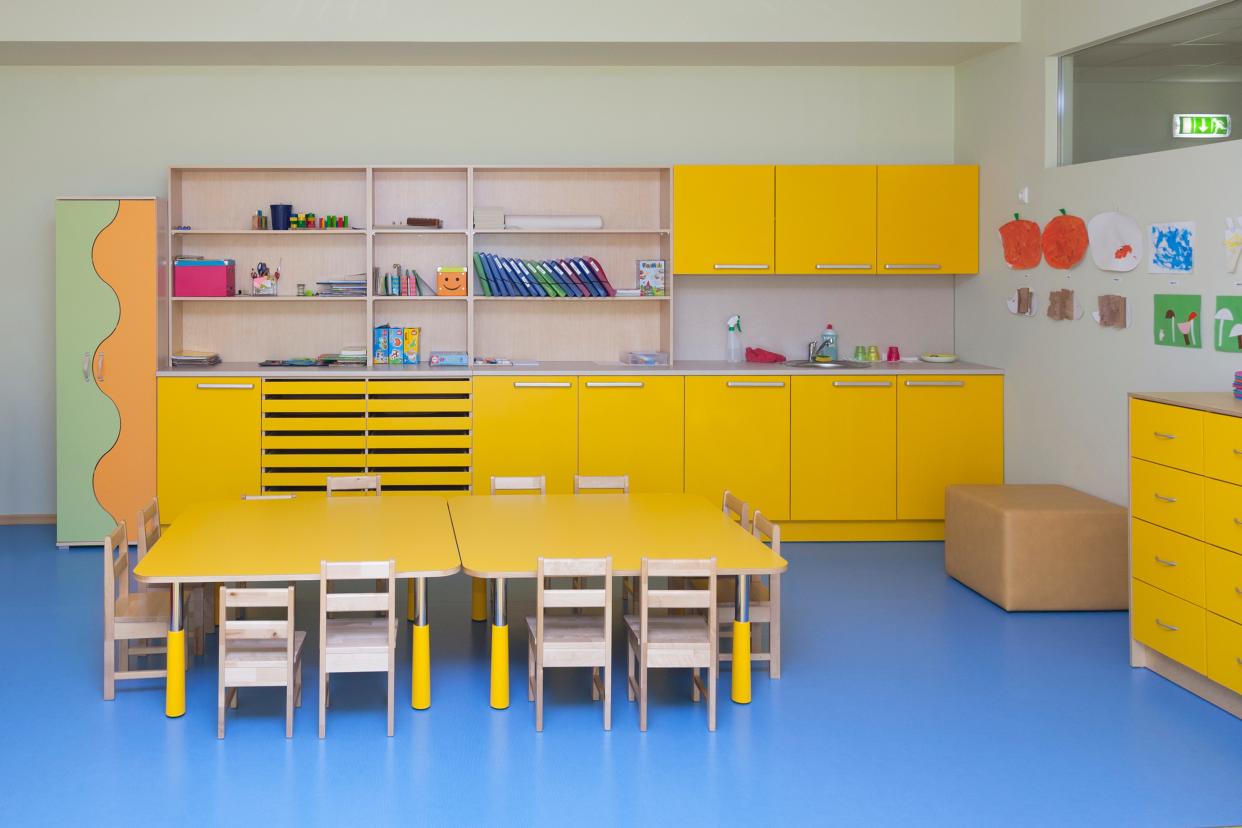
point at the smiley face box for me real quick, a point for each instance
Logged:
(450, 281)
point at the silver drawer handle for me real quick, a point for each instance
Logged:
(1168, 627)
(741, 266)
(1163, 562)
(99, 375)
(1237, 451)
(1238, 521)
(86, 366)
(1162, 436)
(614, 385)
(911, 267)
(842, 267)
(934, 384)
(739, 384)
(844, 384)
(226, 386)
(1164, 498)
(269, 497)
(541, 385)
(1238, 590)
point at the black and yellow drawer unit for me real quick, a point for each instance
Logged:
(312, 429)
(418, 433)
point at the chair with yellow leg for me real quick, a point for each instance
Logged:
(581, 640)
(128, 616)
(765, 603)
(684, 641)
(194, 596)
(349, 643)
(265, 653)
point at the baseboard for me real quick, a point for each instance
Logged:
(26, 520)
(862, 530)
(1143, 656)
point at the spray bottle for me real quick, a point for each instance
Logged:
(733, 339)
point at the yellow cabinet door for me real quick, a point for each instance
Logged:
(825, 220)
(737, 438)
(208, 440)
(1222, 515)
(950, 430)
(723, 220)
(843, 463)
(634, 426)
(927, 219)
(523, 427)
(1167, 434)
(1169, 625)
(1222, 447)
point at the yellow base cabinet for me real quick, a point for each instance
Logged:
(737, 438)
(312, 429)
(525, 426)
(927, 219)
(635, 426)
(724, 217)
(843, 457)
(418, 434)
(208, 443)
(950, 430)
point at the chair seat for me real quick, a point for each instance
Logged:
(673, 629)
(568, 629)
(143, 606)
(250, 652)
(356, 635)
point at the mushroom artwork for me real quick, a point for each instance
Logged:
(1223, 316)
(1178, 320)
(1187, 329)
(1236, 331)
(1228, 321)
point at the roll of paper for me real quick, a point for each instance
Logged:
(529, 222)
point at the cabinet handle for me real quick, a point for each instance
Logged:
(269, 497)
(225, 386)
(1168, 627)
(1164, 498)
(86, 366)
(614, 385)
(1238, 590)
(99, 374)
(911, 267)
(739, 384)
(1238, 521)
(843, 267)
(541, 385)
(934, 384)
(741, 266)
(1237, 451)
(846, 384)
(1163, 562)
(1162, 436)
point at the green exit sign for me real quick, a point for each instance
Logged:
(1202, 125)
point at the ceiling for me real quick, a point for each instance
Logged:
(1200, 48)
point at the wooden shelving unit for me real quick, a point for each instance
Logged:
(216, 203)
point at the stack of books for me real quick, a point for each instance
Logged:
(349, 355)
(352, 285)
(577, 276)
(1237, 385)
(194, 358)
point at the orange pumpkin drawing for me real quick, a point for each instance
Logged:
(1064, 241)
(1020, 242)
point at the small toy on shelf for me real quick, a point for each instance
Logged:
(262, 280)
(450, 281)
(650, 277)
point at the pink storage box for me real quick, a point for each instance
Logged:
(205, 277)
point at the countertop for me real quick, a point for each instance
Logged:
(1215, 402)
(681, 368)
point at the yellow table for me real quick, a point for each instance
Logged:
(283, 538)
(503, 536)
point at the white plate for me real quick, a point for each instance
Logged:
(938, 357)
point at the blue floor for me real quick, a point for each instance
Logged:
(905, 698)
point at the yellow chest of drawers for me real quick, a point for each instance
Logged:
(1186, 542)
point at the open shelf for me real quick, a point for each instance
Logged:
(602, 231)
(333, 231)
(278, 298)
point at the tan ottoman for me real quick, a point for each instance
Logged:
(1037, 547)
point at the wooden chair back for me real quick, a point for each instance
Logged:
(576, 597)
(766, 530)
(519, 484)
(599, 482)
(116, 570)
(353, 483)
(381, 602)
(737, 509)
(243, 629)
(149, 530)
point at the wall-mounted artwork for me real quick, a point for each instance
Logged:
(1064, 241)
(1116, 241)
(1023, 302)
(1062, 306)
(1113, 311)
(1227, 324)
(1172, 248)
(1233, 242)
(1020, 243)
(1176, 320)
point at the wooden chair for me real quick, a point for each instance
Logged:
(519, 484)
(128, 616)
(662, 641)
(193, 596)
(737, 509)
(571, 640)
(593, 483)
(265, 653)
(354, 483)
(353, 644)
(765, 603)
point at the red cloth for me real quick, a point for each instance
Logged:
(761, 355)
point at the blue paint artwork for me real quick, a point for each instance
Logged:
(1172, 248)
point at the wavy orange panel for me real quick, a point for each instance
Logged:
(125, 258)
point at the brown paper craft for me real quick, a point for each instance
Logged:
(1024, 301)
(1112, 311)
(1061, 305)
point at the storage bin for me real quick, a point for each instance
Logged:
(205, 277)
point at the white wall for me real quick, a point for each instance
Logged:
(1067, 382)
(115, 130)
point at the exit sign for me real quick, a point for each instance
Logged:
(1201, 125)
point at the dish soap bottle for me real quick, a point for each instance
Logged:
(827, 343)
(733, 339)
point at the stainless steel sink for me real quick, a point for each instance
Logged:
(835, 365)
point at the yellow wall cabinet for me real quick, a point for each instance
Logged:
(843, 458)
(737, 438)
(634, 426)
(723, 217)
(950, 430)
(927, 219)
(526, 426)
(208, 440)
(825, 219)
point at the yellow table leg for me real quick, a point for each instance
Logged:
(741, 662)
(409, 599)
(420, 686)
(478, 599)
(174, 687)
(500, 666)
